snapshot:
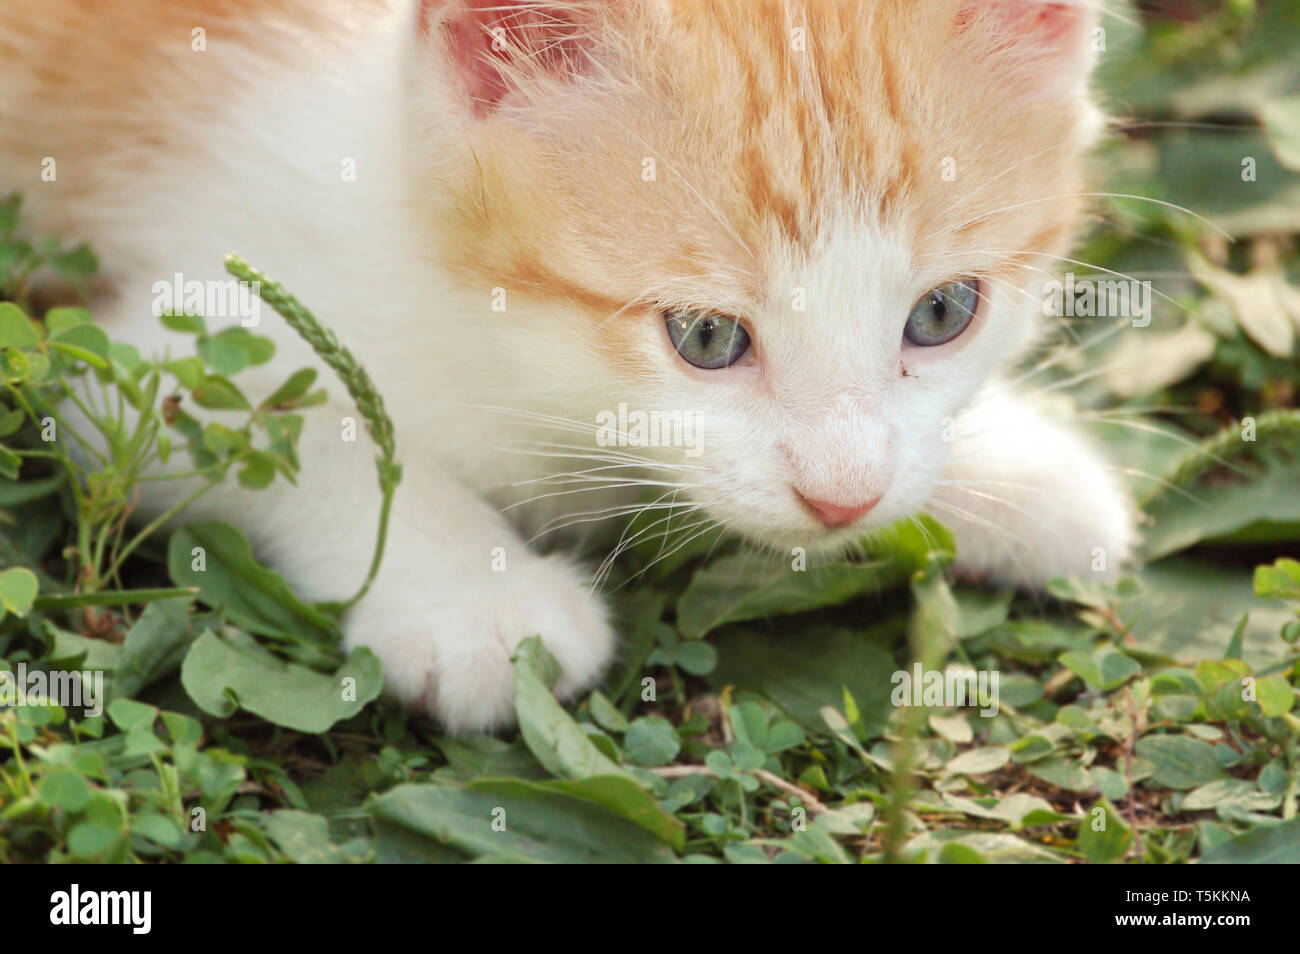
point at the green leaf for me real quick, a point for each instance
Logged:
(1181, 762)
(14, 493)
(94, 840)
(59, 320)
(1255, 502)
(651, 741)
(1281, 118)
(154, 646)
(220, 394)
(556, 822)
(64, 789)
(221, 676)
(186, 324)
(1191, 609)
(157, 828)
(1274, 695)
(804, 671)
(1267, 845)
(83, 336)
(605, 714)
(980, 761)
(303, 837)
(1103, 835)
(16, 329)
(695, 656)
(740, 587)
(217, 559)
(1281, 581)
(258, 471)
(76, 263)
(1107, 668)
(994, 847)
(127, 714)
(187, 371)
(287, 395)
(222, 354)
(550, 733)
(10, 463)
(18, 588)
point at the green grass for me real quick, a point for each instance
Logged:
(749, 718)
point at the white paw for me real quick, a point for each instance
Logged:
(1037, 508)
(446, 644)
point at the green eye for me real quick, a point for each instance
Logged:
(707, 340)
(942, 313)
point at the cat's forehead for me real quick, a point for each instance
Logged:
(731, 137)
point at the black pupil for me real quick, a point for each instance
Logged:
(940, 308)
(706, 331)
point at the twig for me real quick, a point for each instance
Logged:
(812, 802)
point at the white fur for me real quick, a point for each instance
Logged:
(829, 411)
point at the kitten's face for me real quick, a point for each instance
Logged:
(742, 211)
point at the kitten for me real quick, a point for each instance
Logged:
(814, 230)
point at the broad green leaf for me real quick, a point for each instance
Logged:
(1104, 837)
(14, 493)
(746, 586)
(186, 324)
(994, 847)
(154, 646)
(803, 669)
(258, 471)
(303, 837)
(1281, 581)
(1253, 503)
(127, 714)
(16, 329)
(288, 394)
(65, 789)
(59, 320)
(550, 733)
(1266, 845)
(1180, 762)
(221, 676)
(222, 354)
(220, 394)
(979, 761)
(187, 371)
(651, 741)
(83, 336)
(515, 820)
(18, 588)
(217, 559)
(76, 263)
(1190, 610)
(1274, 695)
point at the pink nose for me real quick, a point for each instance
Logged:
(837, 515)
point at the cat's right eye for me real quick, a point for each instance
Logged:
(706, 339)
(943, 313)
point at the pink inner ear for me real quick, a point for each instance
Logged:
(1052, 28)
(482, 36)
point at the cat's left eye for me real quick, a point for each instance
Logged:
(706, 339)
(942, 313)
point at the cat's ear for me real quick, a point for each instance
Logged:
(493, 47)
(1051, 46)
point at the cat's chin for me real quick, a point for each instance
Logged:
(817, 541)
